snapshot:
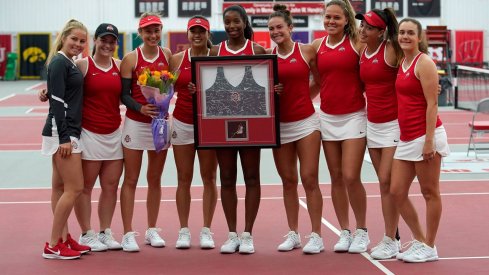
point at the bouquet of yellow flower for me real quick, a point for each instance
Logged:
(158, 79)
(157, 88)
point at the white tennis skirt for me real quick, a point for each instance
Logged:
(382, 135)
(50, 145)
(296, 130)
(181, 133)
(137, 135)
(413, 150)
(101, 147)
(342, 127)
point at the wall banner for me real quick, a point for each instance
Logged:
(469, 46)
(143, 6)
(396, 5)
(189, 8)
(33, 52)
(5, 47)
(424, 8)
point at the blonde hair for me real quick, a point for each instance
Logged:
(423, 44)
(71, 25)
(351, 27)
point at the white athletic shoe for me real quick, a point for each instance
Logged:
(246, 244)
(232, 243)
(153, 238)
(386, 249)
(407, 245)
(206, 240)
(90, 239)
(106, 238)
(344, 242)
(421, 253)
(360, 241)
(183, 241)
(314, 245)
(292, 241)
(129, 243)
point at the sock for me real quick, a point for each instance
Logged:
(398, 237)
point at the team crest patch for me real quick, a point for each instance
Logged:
(375, 61)
(293, 60)
(74, 144)
(127, 138)
(174, 134)
(342, 49)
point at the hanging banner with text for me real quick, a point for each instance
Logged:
(266, 8)
(396, 5)
(359, 5)
(424, 8)
(33, 52)
(5, 47)
(143, 6)
(262, 21)
(469, 46)
(189, 8)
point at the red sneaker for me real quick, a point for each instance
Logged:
(60, 251)
(74, 245)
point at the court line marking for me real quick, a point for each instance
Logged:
(34, 86)
(7, 97)
(364, 254)
(263, 185)
(447, 258)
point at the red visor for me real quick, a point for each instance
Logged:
(198, 22)
(372, 19)
(150, 20)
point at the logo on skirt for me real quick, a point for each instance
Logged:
(174, 134)
(127, 138)
(74, 144)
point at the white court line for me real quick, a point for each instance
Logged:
(7, 97)
(365, 255)
(447, 258)
(29, 110)
(33, 86)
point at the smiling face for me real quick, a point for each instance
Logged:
(279, 30)
(370, 34)
(198, 36)
(234, 24)
(105, 45)
(151, 35)
(409, 36)
(74, 43)
(335, 20)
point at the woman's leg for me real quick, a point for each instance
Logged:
(285, 159)
(132, 168)
(250, 162)
(156, 163)
(83, 205)
(228, 172)
(308, 152)
(184, 160)
(57, 191)
(110, 175)
(208, 170)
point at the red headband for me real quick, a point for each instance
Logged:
(372, 19)
(150, 20)
(198, 22)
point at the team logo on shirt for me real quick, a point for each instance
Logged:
(293, 60)
(235, 97)
(115, 74)
(174, 134)
(341, 49)
(161, 64)
(375, 61)
(127, 139)
(407, 75)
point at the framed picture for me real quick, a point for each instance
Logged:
(235, 104)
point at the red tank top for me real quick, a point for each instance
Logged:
(101, 98)
(183, 107)
(247, 49)
(379, 79)
(341, 87)
(158, 63)
(293, 73)
(412, 103)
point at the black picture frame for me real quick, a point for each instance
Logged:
(235, 104)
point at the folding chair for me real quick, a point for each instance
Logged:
(479, 127)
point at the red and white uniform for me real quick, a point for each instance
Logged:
(341, 87)
(379, 79)
(101, 98)
(183, 107)
(101, 119)
(412, 103)
(157, 63)
(247, 49)
(293, 73)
